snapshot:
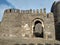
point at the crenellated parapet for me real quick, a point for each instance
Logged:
(11, 11)
(30, 11)
(37, 11)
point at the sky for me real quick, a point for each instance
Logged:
(25, 4)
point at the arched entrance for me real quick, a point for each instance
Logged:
(38, 28)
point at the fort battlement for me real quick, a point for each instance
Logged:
(11, 11)
(38, 11)
(30, 27)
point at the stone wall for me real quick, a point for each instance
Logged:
(18, 23)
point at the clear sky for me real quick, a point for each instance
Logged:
(25, 4)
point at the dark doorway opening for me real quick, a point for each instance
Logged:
(38, 29)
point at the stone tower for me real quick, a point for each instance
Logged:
(56, 11)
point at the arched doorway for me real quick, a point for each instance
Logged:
(38, 29)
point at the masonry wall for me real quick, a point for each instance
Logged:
(11, 23)
(17, 24)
